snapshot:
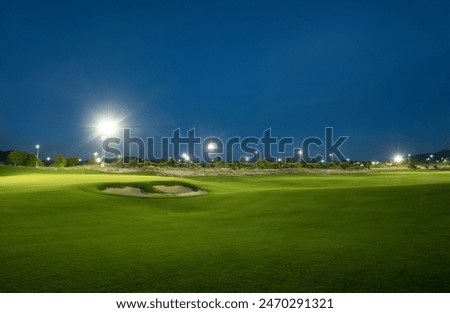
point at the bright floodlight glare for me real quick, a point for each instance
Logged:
(98, 160)
(107, 127)
(95, 154)
(186, 158)
(184, 155)
(48, 158)
(398, 158)
(38, 146)
(212, 146)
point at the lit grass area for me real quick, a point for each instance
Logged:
(380, 232)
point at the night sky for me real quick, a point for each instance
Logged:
(377, 72)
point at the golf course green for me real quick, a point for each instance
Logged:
(373, 232)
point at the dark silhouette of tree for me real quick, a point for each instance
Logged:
(72, 161)
(60, 161)
(17, 158)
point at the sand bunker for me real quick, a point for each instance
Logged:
(177, 190)
(129, 191)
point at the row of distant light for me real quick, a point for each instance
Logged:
(399, 158)
(109, 126)
(212, 146)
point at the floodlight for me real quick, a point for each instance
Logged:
(212, 146)
(98, 160)
(107, 127)
(398, 158)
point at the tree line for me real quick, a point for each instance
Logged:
(21, 158)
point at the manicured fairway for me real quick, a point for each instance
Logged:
(383, 232)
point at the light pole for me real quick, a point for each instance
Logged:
(37, 154)
(96, 158)
(106, 128)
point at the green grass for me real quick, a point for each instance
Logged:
(381, 232)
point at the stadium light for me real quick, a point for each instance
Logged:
(398, 159)
(212, 146)
(107, 127)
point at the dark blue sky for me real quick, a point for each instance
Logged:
(377, 72)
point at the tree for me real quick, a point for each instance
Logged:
(60, 161)
(16, 158)
(92, 161)
(72, 161)
(30, 160)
